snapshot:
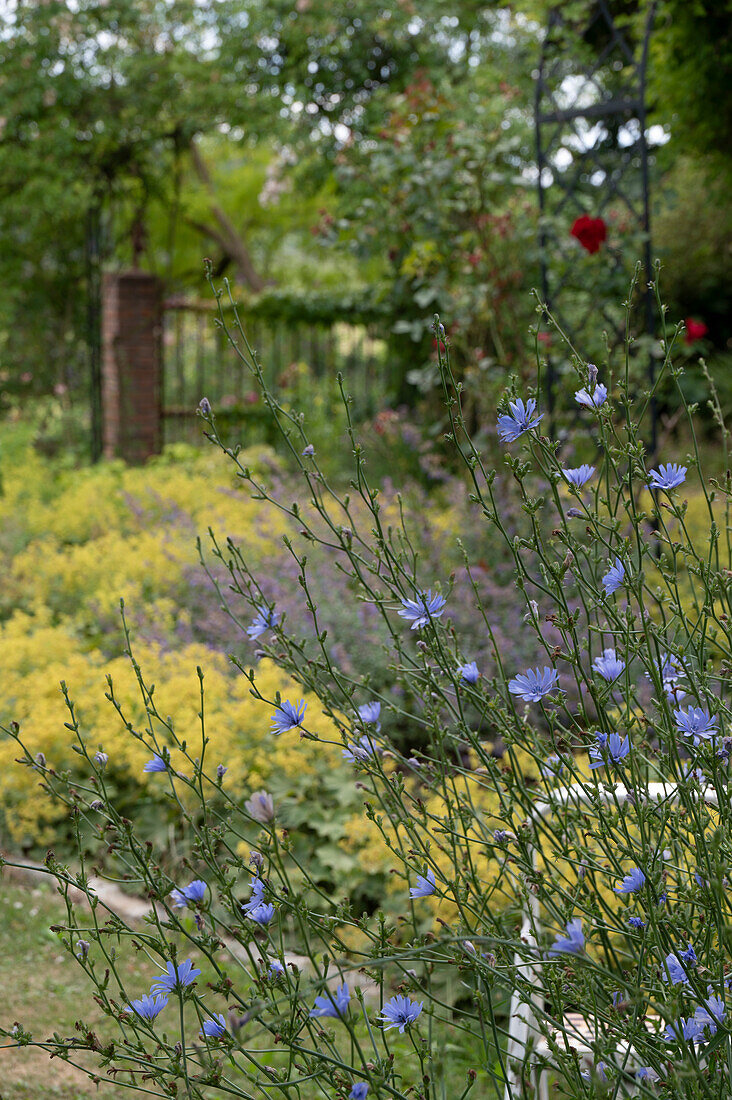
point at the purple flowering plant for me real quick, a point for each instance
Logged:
(584, 890)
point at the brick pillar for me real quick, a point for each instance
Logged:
(131, 365)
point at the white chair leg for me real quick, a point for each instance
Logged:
(542, 1090)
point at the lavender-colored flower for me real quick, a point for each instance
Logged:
(674, 970)
(369, 714)
(261, 806)
(614, 578)
(534, 684)
(667, 476)
(204, 406)
(148, 1007)
(308, 452)
(261, 914)
(101, 759)
(359, 1091)
(502, 836)
(689, 955)
(636, 922)
(399, 1012)
(82, 949)
(425, 885)
(687, 1030)
(358, 752)
(221, 771)
(421, 610)
(593, 399)
(276, 969)
(646, 1073)
(633, 881)
(469, 673)
(521, 419)
(213, 1028)
(335, 1005)
(257, 895)
(176, 978)
(288, 716)
(553, 765)
(571, 944)
(157, 764)
(611, 747)
(609, 666)
(707, 1016)
(697, 723)
(190, 895)
(579, 476)
(265, 619)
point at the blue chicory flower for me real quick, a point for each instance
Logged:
(358, 752)
(633, 881)
(707, 1016)
(674, 971)
(265, 619)
(697, 723)
(261, 914)
(213, 1028)
(592, 400)
(571, 944)
(689, 955)
(288, 716)
(579, 476)
(369, 714)
(681, 1029)
(521, 419)
(667, 476)
(614, 578)
(534, 684)
(399, 1012)
(308, 452)
(276, 968)
(335, 1005)
(175, 978)
(609, 666)
(190, 895)
(613, 748)
(421, 610)
(553, 765)
(469, 673)
(148, 1007)
(359, 1091)
(157, 764)
(646, 1073)
(636, 922)
(101, 759)
(425, 885)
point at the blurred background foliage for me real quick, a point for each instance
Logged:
(311, 149)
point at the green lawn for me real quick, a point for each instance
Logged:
(45, 990)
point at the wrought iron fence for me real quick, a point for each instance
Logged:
(298, 360)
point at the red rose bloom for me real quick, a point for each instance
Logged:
(695, 330)
(590, 232)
